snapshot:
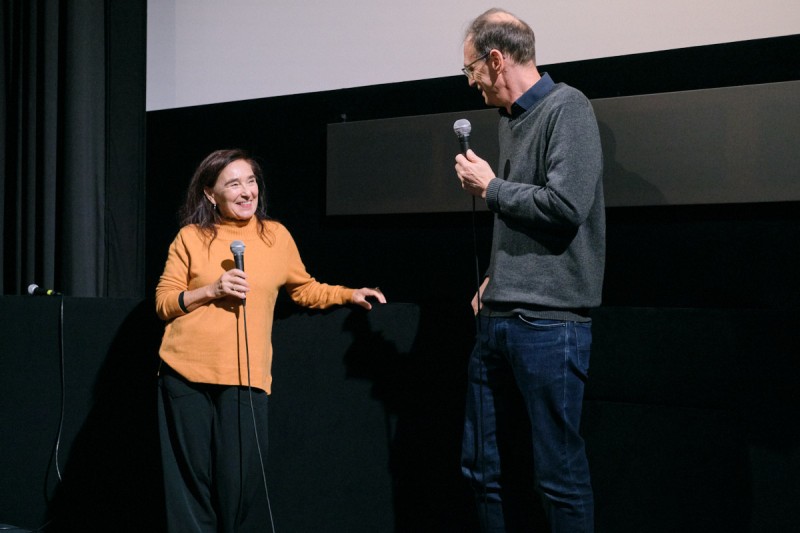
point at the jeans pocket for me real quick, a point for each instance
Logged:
(583, 346)
(541, 324)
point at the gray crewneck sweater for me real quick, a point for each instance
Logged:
(548, 246)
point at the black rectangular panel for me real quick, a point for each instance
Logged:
(710, 146)
(403, 165)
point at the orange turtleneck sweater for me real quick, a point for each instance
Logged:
(207, 344)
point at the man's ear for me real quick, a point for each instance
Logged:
(496, 60)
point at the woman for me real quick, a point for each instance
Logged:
(216, 352)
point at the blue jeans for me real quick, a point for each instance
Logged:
(525, 366)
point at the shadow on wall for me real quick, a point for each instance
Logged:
(421, 388)
(366, 421)
(112, 479)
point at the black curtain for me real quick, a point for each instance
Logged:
(73, 126)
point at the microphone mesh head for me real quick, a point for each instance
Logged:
(31, 288)
(462, 127)
(237, 247)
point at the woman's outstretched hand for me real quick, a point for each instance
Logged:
(360, 297)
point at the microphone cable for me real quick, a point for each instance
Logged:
(481, 367)
(462, 129)
(63, 384)
(62, 372)
(253, 413)
(59, 433)
(54, 456)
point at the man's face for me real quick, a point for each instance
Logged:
(476, 67)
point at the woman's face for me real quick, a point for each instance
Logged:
(235, 192)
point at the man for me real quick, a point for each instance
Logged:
(544, 275)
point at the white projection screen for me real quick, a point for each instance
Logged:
(208, 51)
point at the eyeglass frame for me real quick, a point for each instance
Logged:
(469, 69)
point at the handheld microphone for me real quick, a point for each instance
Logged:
(462, 128)
(237, 248)
(35, 290)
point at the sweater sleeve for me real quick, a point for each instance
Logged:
(572, 164)
(305, 290)
(174, 280)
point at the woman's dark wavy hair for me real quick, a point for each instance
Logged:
(199, 211)
(506, 33)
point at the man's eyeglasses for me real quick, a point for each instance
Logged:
(469, 69)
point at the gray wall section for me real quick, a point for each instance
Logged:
(402, 165)
(711, 146)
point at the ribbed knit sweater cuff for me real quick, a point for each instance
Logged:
(493, 195)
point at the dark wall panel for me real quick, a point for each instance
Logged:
(691, 419)
(333, 417)
(402, 165)
(708, 146)
(108, 451)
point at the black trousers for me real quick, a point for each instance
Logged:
(213, 477)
